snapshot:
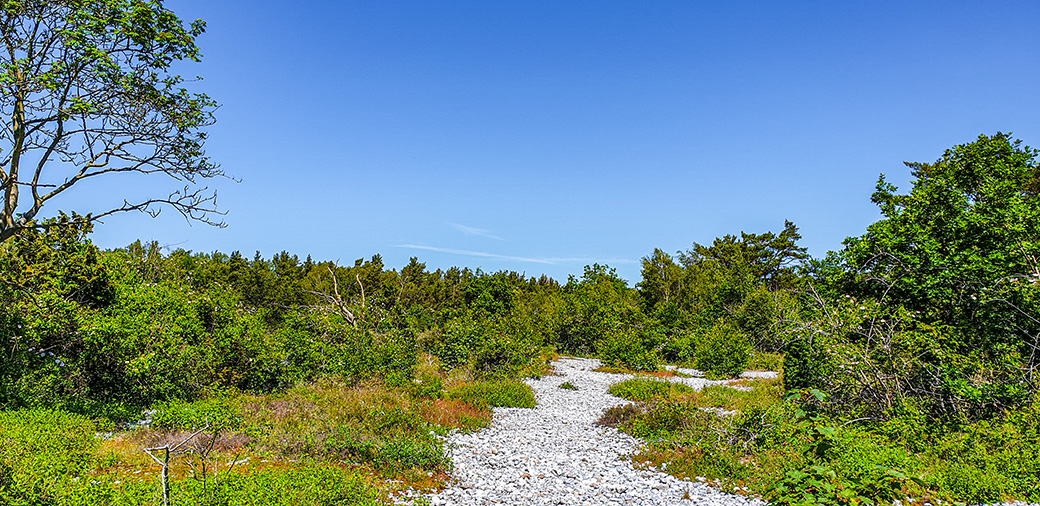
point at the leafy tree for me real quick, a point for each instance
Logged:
(662, 281)
(959, 252)
(766, 258)
(86, 91)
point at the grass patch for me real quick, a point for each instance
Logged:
(484, 394)
(763, 392)
(567, 385)
(643, 390)
(456, 414)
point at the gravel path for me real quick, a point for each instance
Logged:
(554, 455)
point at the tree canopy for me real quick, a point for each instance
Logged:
(86, 91)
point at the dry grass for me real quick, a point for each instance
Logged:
(224, 442)
(456, 414)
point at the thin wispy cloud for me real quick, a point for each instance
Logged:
(468, 230)
(537, 260)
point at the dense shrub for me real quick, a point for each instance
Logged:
(217, 411)
(722, 352)
(627, 348)
(680, 347)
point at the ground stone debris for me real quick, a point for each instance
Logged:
(553, 454)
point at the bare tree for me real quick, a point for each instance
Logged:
(85, 91)
(169, 451)
(335, 301)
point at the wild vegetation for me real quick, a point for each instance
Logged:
(908, 357)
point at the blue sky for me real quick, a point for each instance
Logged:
(543, 136)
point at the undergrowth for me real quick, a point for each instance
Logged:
(790, 450)
(328, 442)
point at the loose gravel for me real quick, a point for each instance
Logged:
(553, 454)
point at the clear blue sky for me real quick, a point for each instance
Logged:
(543, 136)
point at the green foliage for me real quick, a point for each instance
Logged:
(765, 361)
(394, 452)
(959, 253)
(217, 411)
(508, 394)
(116, 56)
(627, 348)
(39, 450)
(667, 419)
(596, 306)
(762, 315)
(643, 390)
(427, 385)
(818, 482)
(768, 257)
(680, 348)
(57, 259)
(310, 484)
(722, 352)
(990, 460)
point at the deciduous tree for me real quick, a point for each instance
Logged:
(86, 91)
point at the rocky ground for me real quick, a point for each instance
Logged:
(553, 454)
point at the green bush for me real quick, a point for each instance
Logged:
(509, 394)
(626, 348)
(462, 335)
(680, 348)
(989, 460)
(616, 416)
(722, 352)
(643, 390)
(667, 420)
(426, 385)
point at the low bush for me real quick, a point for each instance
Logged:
(40, 450)
(667, 420)
(307, 484)
(387, 451)
(507, 394)
(618, 415)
